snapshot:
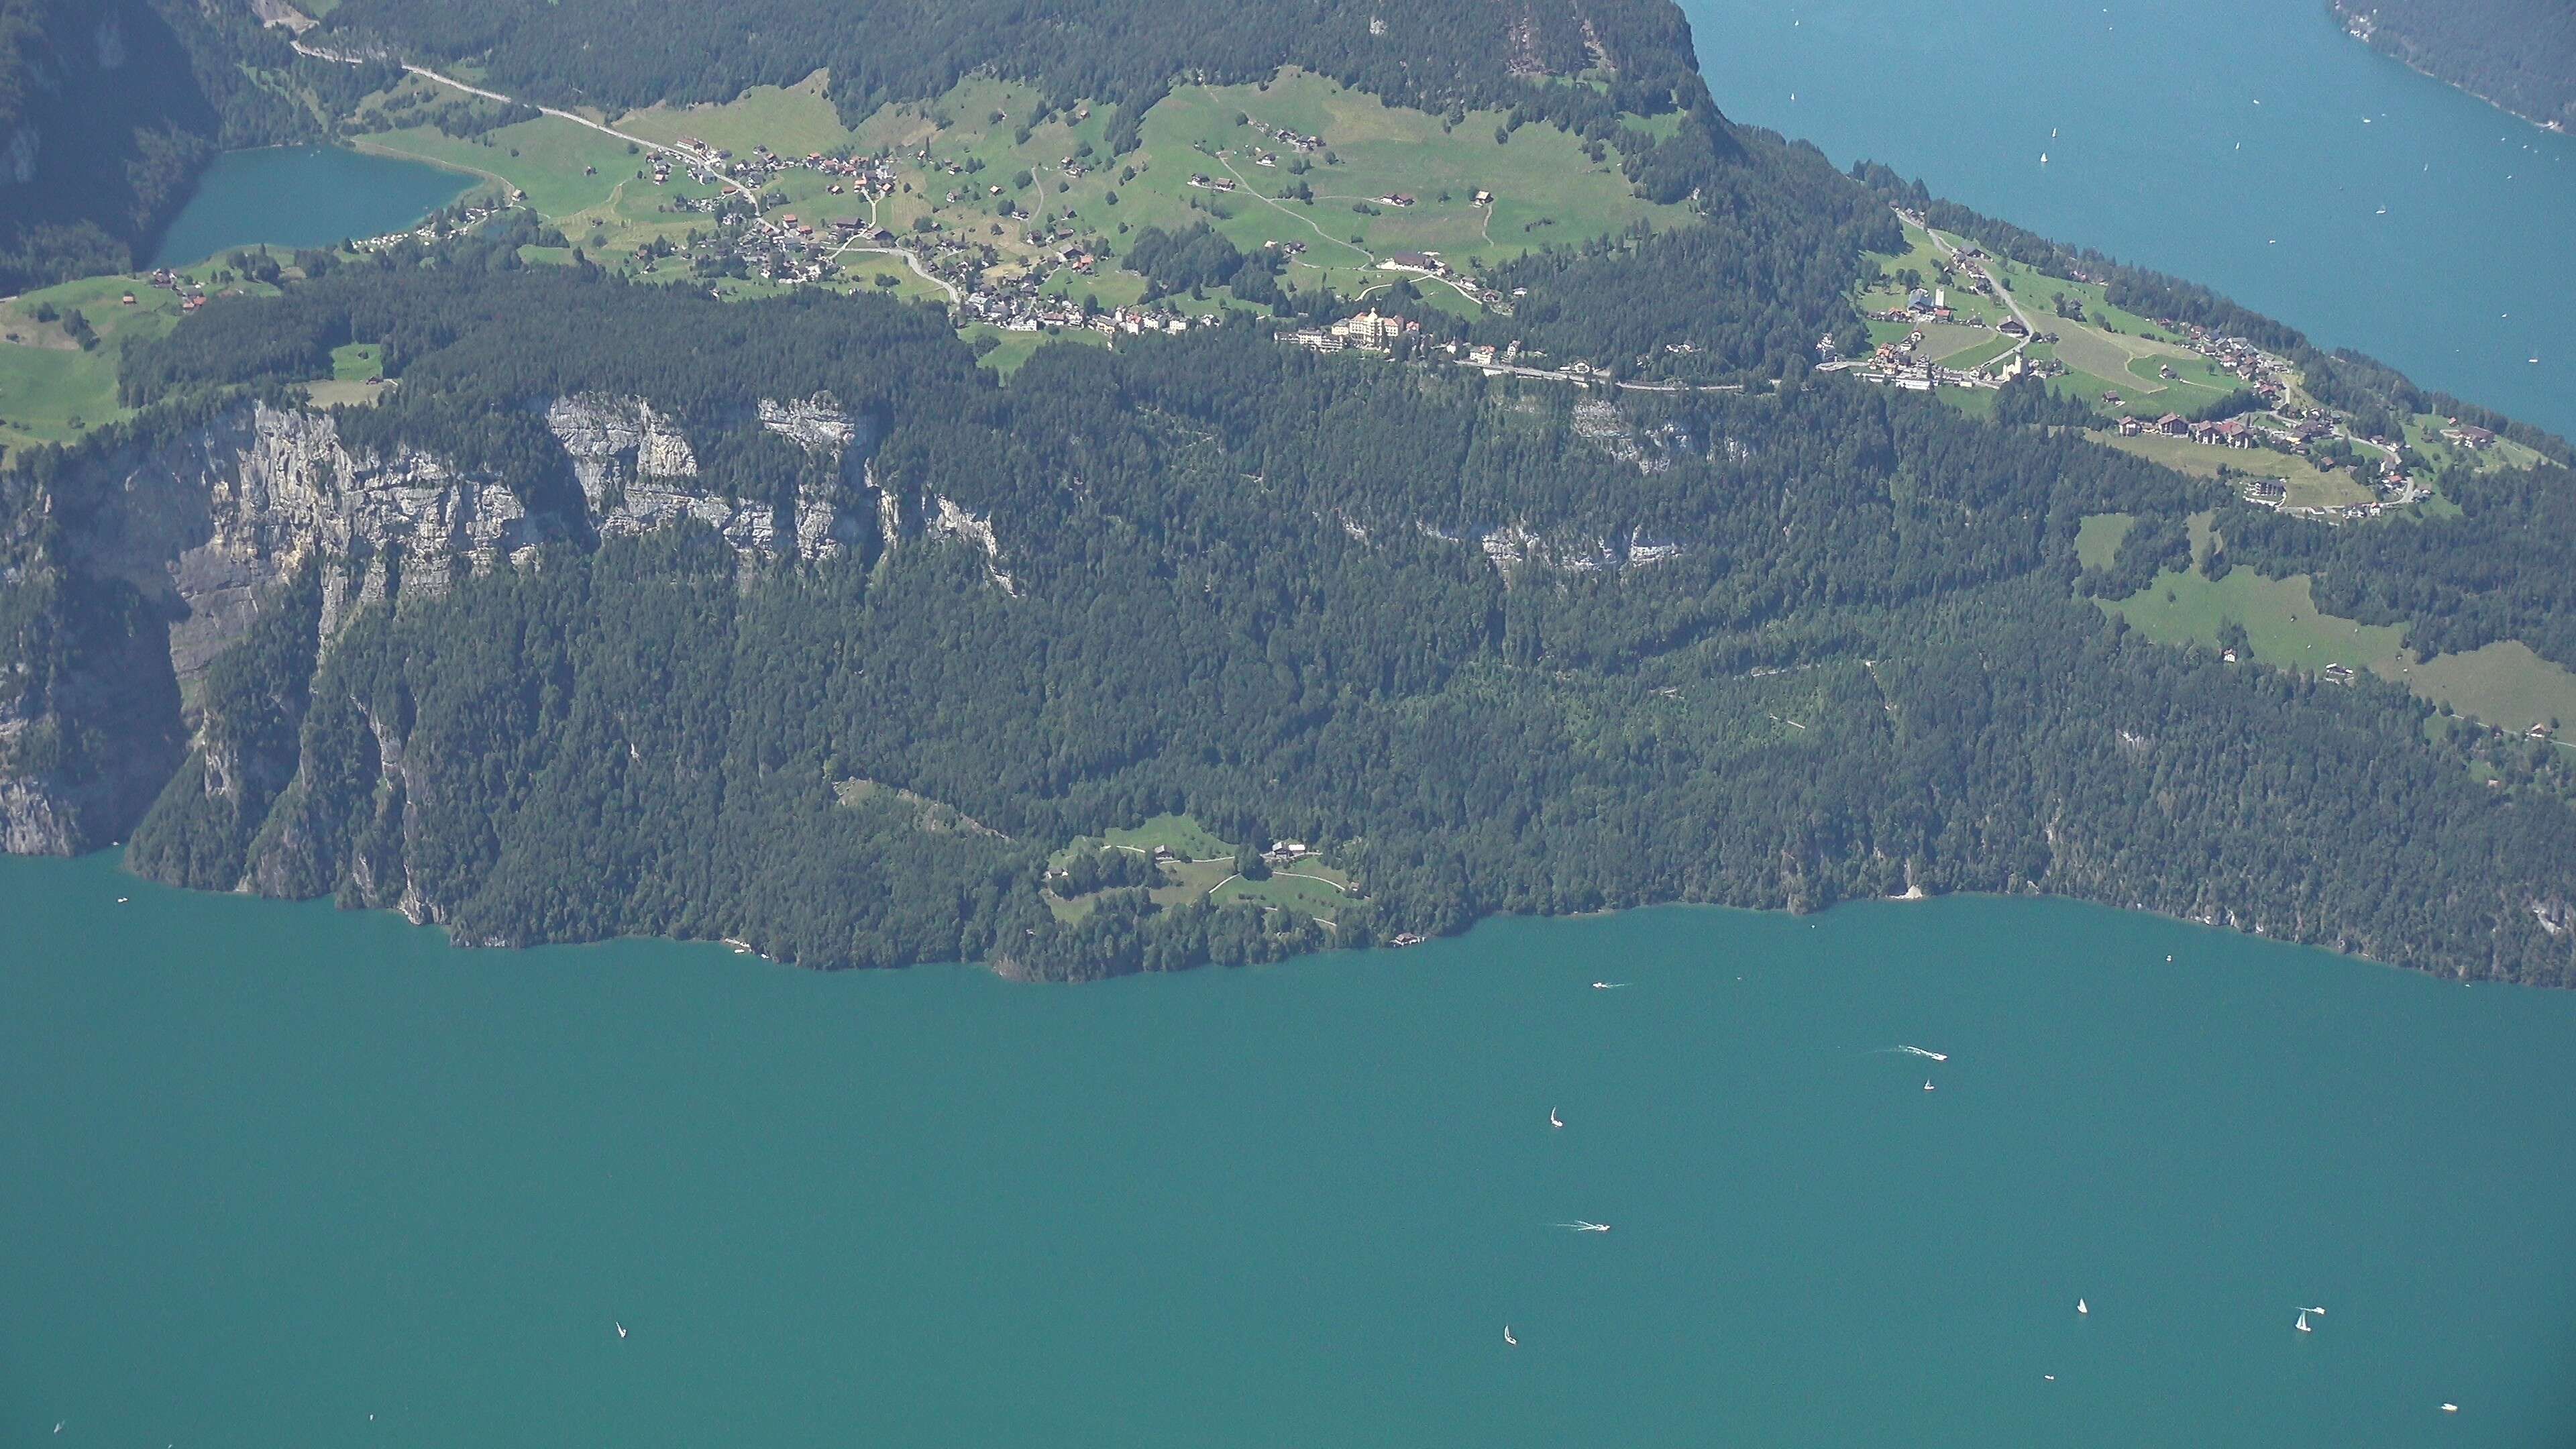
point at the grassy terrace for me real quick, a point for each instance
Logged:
(2306, 485)
(1203, 868)
(2105, 348)
(967, 173)
(2503, 684)
(51, 390)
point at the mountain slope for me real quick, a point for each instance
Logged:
(108, 108)
(2518, 54)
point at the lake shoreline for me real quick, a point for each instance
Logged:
(2553, 127)
(306, 194)
(1003, 966)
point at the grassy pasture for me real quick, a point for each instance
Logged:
(566, 169)
(2503, 684)
(357, 361)
(2280, 618)
(2097, 538)
(2307, 485)
(51, 391)
(1205, 869)
(792, 120)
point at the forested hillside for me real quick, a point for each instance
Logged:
(2520, 54)
(1496, 649)
(108, 108)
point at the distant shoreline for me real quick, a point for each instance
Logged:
(2553, 127)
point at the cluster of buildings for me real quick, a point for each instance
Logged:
(857, 174)
(439, 224)
(1368, 331)
(1285, 137)
(190, 295)
(2229, 433)
(2234, 356)
(1014, 309)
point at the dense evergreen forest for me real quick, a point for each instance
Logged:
(2519, 54)
(108, 109)
(1499, 649)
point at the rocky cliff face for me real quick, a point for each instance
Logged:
(89, 714)
(200, 534)
(638, 473)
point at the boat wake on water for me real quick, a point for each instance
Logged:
(1580, 1226)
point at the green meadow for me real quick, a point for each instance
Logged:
(51, 390)
(2280, 619)
(2305, 485)
(1204, 869)
(563, 167)
(2097, 538)
(2503, 684)
(795, 120)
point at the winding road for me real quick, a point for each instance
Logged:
(725, 182)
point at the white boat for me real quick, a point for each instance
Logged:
(1554, 1120)
(1581, 1226)
(2446, 1408)
(1608, 985)
(2319, 1312)
(2080, 1308)
(621, 1328)
(1927, 1084)
(2303, 1323)
(1920, 1052)
(1507, 1336)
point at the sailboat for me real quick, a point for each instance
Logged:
(1927, 1084)
(2080, 1308)
(621, 1328)
(1507, 1336)
(1554, 1120)
(2303, 1322)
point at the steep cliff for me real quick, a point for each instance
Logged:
(165, 605)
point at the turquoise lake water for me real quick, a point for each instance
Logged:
(267, 1170)
(302, 196)
(2162, 156)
